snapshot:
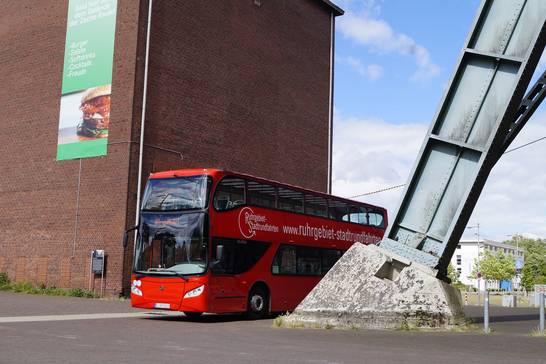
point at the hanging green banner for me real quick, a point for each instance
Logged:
(87, 79)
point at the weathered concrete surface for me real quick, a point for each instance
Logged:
(371, 288)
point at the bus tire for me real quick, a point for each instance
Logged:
(258, 303)
(193, 315)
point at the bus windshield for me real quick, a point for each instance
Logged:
(171, 244)
(176, 194)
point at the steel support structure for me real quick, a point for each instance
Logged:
(482, 111)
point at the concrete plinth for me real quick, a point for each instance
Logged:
(371, 288)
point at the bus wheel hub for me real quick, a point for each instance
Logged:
(256, 303)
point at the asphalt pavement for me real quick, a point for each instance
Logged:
(43, 329)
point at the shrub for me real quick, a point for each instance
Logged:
(4, 280)
(27, 287)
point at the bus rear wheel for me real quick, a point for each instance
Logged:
(193, 315)
(258, 303)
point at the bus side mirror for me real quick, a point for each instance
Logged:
(126, 236)
(219, 252)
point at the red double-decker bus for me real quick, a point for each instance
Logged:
(215, 241)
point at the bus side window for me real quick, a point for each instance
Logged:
(260, 194)
(375, 218)
(329, 258)
(229, 194)
(357, 214)
(285, 260)
(238, 255)
(338, 210)
(290, 200)
(316, 206)
(308, 261)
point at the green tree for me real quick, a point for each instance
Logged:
(452, 274)
(534, 267)
(495, 267)
(522, 242)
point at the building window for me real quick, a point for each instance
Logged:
(458, 270)
(459, 259)
(458, 246)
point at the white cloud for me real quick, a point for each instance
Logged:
(371, 154)
(514, 198)
(380, 37)
(371, 72)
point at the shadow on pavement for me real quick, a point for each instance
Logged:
(206, 318)
(507, 318)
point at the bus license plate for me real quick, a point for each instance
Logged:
(162, 305)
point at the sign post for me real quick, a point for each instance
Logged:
(541, 323)
(486, 312)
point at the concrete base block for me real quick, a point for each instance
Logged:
(371, 288)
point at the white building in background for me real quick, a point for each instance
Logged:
(467, 253)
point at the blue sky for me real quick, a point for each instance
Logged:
(440, 27)
(394, 59)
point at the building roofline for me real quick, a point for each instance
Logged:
(490, 242)
(335, 9)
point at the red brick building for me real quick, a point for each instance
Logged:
(244, 85)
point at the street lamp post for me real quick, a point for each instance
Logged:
(478, 273)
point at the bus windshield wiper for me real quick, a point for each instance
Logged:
(178, 274)
(174, 272)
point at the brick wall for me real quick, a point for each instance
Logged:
(231, 85)
(241, 87)
(39, 240)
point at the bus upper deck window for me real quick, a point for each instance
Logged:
(259, 194)
(357, 214)
(230, 193)
(316, 206)
(338, 210)
(290, 200)
(375, 218)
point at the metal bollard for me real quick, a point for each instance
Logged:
(541, 323)
(486, 312)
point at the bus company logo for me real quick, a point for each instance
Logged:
(250, 223)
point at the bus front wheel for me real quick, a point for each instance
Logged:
(258, 303)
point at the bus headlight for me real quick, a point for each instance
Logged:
(134, 287)
(195, 292)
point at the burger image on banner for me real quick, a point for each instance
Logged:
(84, 120)
(95, 108)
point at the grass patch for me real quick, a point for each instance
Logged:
(29, 288)
(278, 321)
(405, 326)
(536, 333)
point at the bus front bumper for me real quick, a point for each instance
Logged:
(170, 293)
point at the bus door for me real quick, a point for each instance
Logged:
(227, 293)
(284, 272)
(297, 269)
